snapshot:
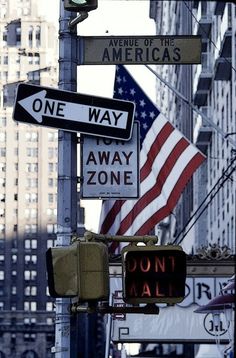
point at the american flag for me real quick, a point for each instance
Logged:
(167, 162)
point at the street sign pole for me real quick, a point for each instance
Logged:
(67, 174)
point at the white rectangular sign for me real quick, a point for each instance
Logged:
(46, 106)
(177, 323)
(110, 168)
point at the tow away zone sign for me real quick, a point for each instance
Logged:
(110, 168)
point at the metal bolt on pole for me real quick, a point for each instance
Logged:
(67, 173)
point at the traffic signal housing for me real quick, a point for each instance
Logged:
(80, 5)
(81, 270)
(153, 274)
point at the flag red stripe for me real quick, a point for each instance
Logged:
(155, 148)
(174, 196)
(114, 245)
(155, 191)
(111, 215)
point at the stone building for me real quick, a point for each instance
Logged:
(28, 184)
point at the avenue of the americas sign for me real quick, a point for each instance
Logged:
(153, 274)
(73, 111)
(110, 167)
(110, 50)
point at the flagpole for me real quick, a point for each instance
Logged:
(204, 117)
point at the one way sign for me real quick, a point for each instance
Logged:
(73, 111)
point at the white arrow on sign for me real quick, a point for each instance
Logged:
(38, 106)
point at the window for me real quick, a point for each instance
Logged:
(2, 152)
(2, 167)
(50, 151)
(31, 213)
(4, 38)
(31, 259)
(52, 136)
(32, 182)
(30, 306)
(50, 182)
(50, 243)
(32, 152)
(29, 337)
(51, 212)
(50, 167)
(38, 36)
(5, 75)
(30, 275)
(3, 121)
(31, 167)
(2, 212)
(18, 36)
(2, 136)
(50, 198)
(30, 291)
(31, 320)
(30, 36)
(5, 60)
(30, 58)
(2, 228)
(36, 59)
(49, 321)
(2, 182)
(31, 197)
(51, 228)
(31, 136)
(1, 275)
(49, 306)
(31, 244)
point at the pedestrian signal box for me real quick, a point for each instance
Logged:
(153, 274)
(81, 270)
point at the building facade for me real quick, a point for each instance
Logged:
(206, 213)
(28, 184)
(209, 203)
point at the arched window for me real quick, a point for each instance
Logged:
(29, 354)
